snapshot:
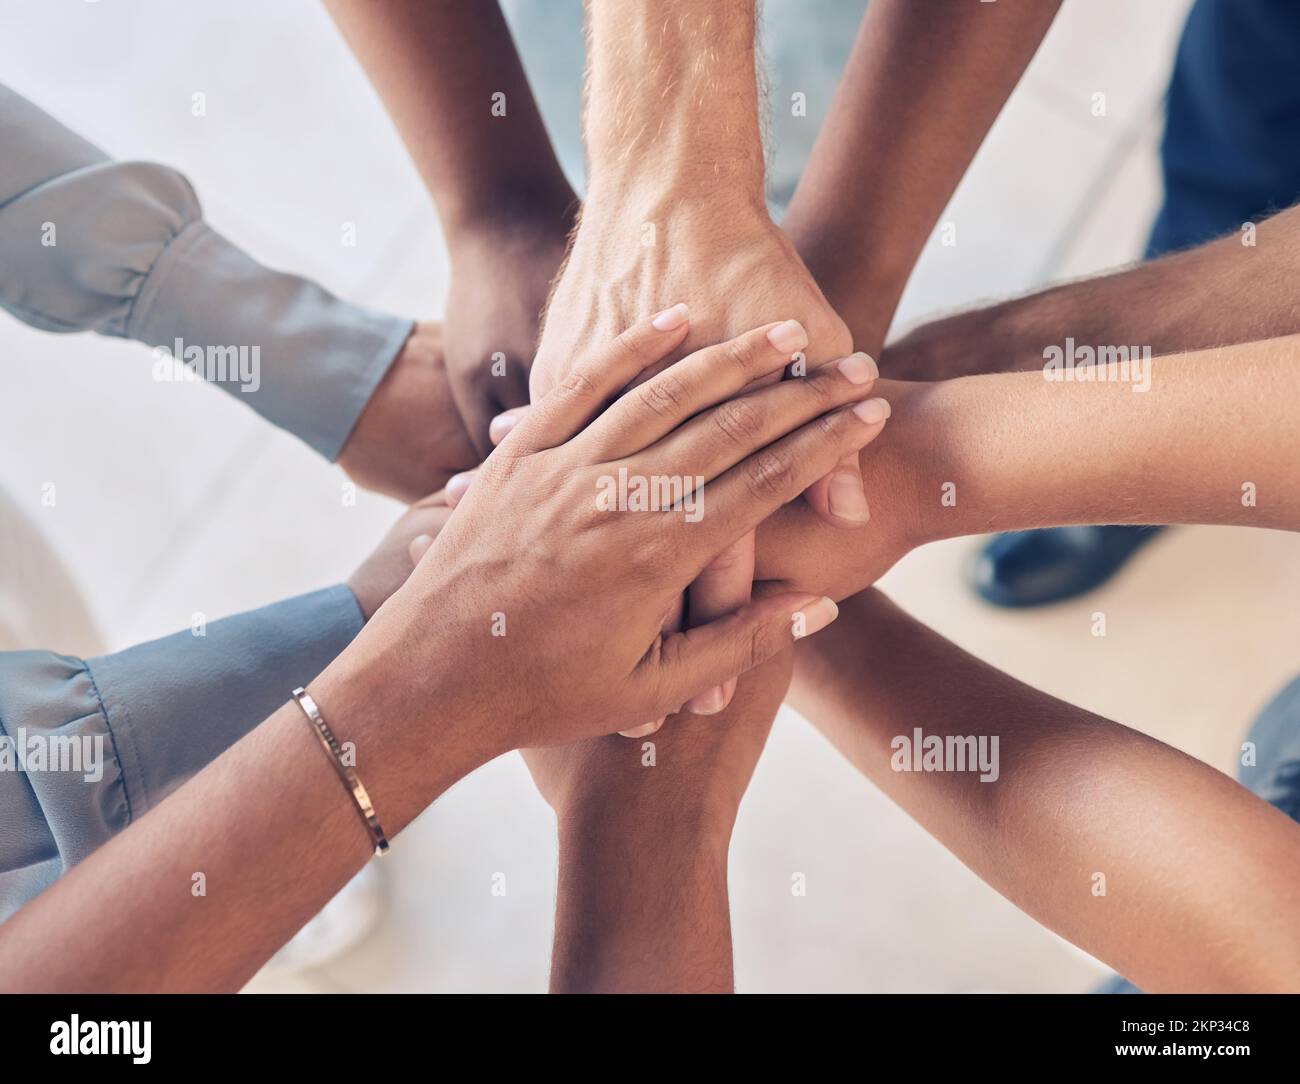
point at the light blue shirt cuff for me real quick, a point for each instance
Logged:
(303, 359)
(121, 248)
(159, 712)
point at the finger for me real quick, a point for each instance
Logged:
(718, 439)
(476, 413)
(500, 426)
(419, 546)
(672, 622)
(457, 486)
(839, 497)
(722, 588)
(710, 654)
(643, 731)
(744, 496)
(591, 384)
(701, 380)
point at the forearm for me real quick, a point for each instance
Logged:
(451, 80)
(1152, 861)
(1217, 294)
(1211, 442)
(642, 903)
(917, 98)
(672, 103)
(200, 892)
(644, 830)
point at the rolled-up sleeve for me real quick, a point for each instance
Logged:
(143, 721)
(121, 248)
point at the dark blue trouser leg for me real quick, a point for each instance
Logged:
(1231, 148)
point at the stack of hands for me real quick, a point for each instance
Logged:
(668, 337)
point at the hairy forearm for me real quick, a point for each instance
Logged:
(1154, 862)
(917, 98)
(672, 102)
(1212, 442)
(452, 82)
(1218, 294)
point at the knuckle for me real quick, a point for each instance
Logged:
(664, 396)
(740, 352)
(830, 427)
(575, 385)
(757, 646)
(770, 473)
(825, 387)
(739, 421)
(632, 343)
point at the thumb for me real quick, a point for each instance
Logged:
(708, 655)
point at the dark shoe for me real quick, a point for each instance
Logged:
(1031, 568)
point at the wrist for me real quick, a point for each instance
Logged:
(513, 216)
(411, 732)
(617, 796)
(959, 451)
(852, 270)
(673, 98)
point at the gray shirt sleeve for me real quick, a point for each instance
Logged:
(92, 244)
(89, 745)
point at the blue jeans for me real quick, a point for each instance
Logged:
(1230, 153)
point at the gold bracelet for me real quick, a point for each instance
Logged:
(331, 746)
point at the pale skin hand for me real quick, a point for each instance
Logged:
(675, 212)
(450, 78)
(426, 693)
(1201, 876)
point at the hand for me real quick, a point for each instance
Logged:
(543, 628)
(699, 773)
(500, 277)
(983, 340)
(798, 551)
(644, 833)
(410, 437)
(400, 550)
(734, 268)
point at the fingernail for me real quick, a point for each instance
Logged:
(845, 497)
(456, 488)
(419, 547)
(641, 731)
(499, 426)
(788, 337)
(858, 368)
(815, 617)
(873, 411)
(670, 319)
(709, 703)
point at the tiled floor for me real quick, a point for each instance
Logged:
(176, 499)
